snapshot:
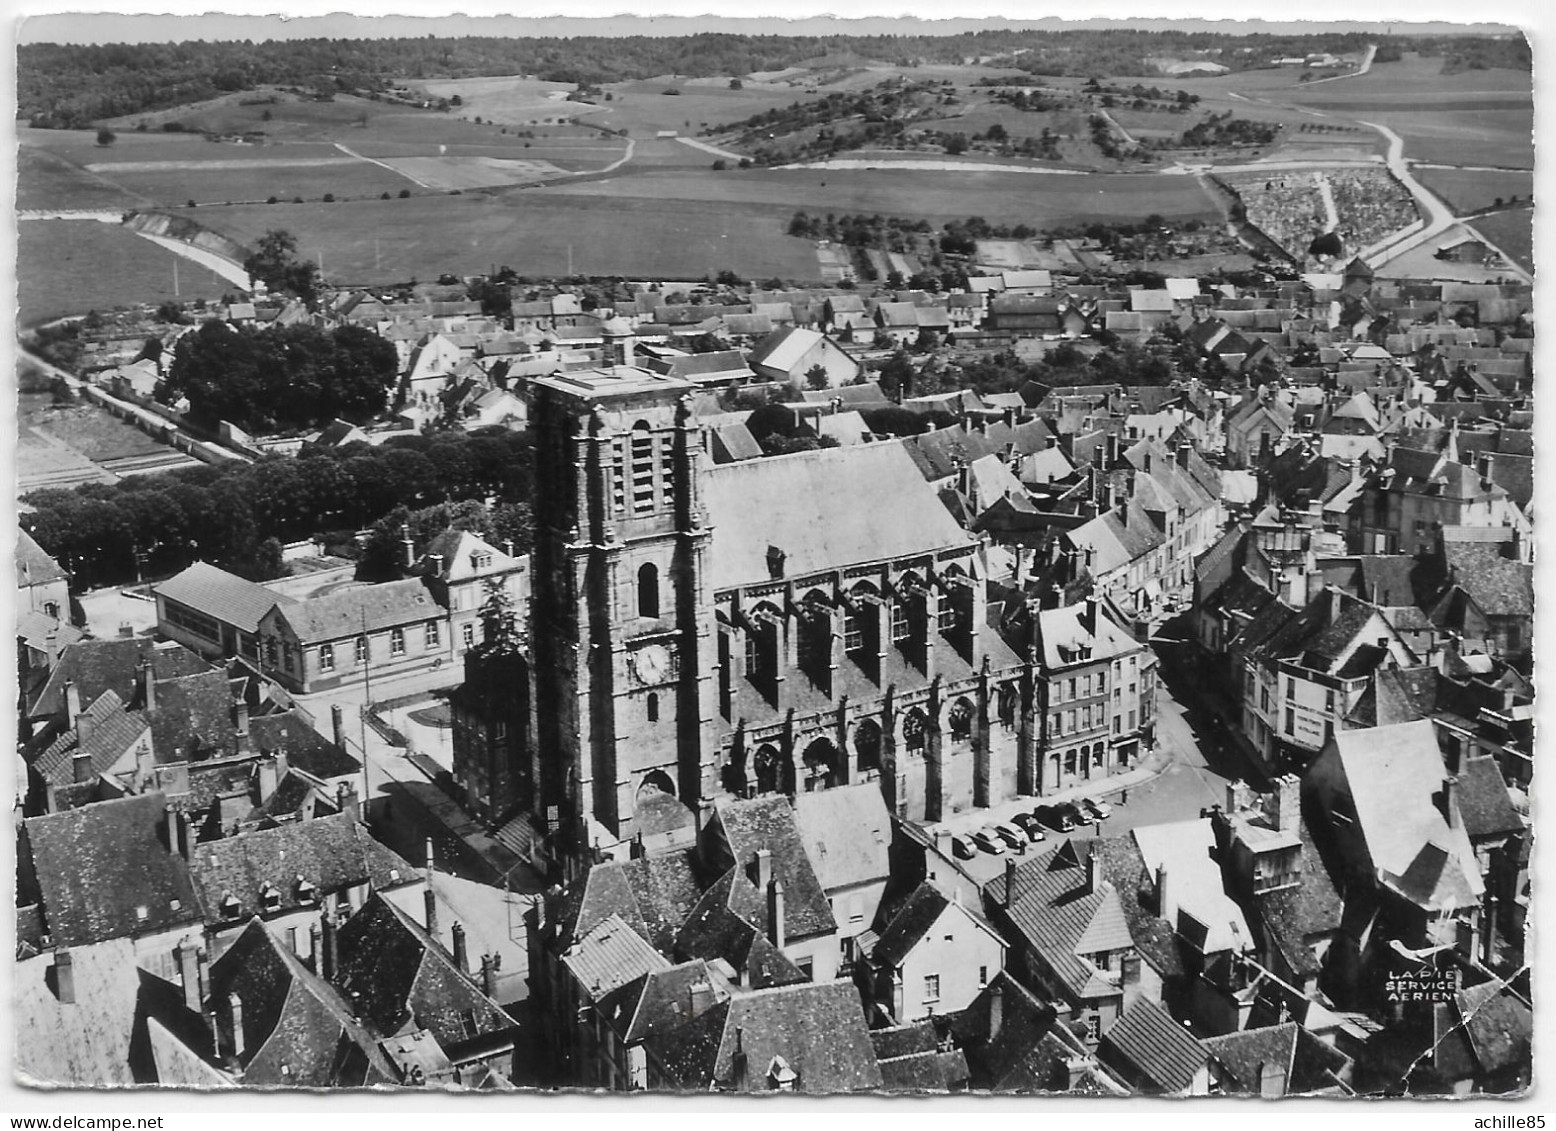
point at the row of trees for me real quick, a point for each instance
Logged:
(226, 513)
(281, 379)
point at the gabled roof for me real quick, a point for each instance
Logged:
(823, 509)
(81, 1044)
(1158, 1049)
(104, 871)
(1483, 800)
(610, 956)
(784, 347)
(659, 1001)
(33, 566)
(331, 853)
(1310, 909)
(461, 552)
(1307, 1064)
(395, 974)
(1394, 775)
(306, 749)
(1027, 1053)
(344, 614)
(846, 833)
(653, 895)
(817, 1029)
(298, 1031)
(96, 666)
(907, 928)
(192, 716)
(111, 732)
(221, 595)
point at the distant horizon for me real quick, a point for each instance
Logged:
(104, 28)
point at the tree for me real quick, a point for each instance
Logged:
(720, 165)
(500, 632)
(269, 561)
(274, 262)
(816, 376)
(106, 136)
(736, 84)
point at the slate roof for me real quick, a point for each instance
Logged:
(223, 596)
(395, 974)
(817, 1028)
(1154, 938)
(33, 565)
(611, 955)
(305, 747)
(1312, 908)
(193, 716)
(85, 1044)
(846, 833)
(1053, 911)
(653, 895)
(1483, 800)
(1500, 586)
(341, 614)
(731, 922)
(96, 666)
(770, 823)
(909, 925)
(1393, 773)
(113, 731)
(104, 871)
(332, 853)
(298, 1031)
(1308, 1064)
(1025, 1055)
(824, 509)
(657, 1001)
(1157, 1048)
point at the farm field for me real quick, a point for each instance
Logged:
(1513, 232)
(44, 180)
(64, 445)
(532, 231)
(462, 173)
(1463, 137)
(72, 266)
(1468, 190)
(998, 197)
(256, 179)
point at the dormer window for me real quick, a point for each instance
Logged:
(482, 560)
(306, 892)
(230, 906)
(142, 912)
(270, 898)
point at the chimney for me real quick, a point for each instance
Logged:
(1164, 906)
(489, 975)
(338, 717)
(996, 1009)
(51, 648)
(1336, 603)
(177, 832)
(148, 686)
(81, 768)
(1075, 1072)
(1488, 933)
(408, 556)
(1089, 614)
(240, 721)
(461, 948)
(235, 1015)
(738, 1061)
(64, 977)
(1183, 454)
(1090, 864)
(1010, 880)
(315, 946)
(764, 868)
(269, 778)
(702, 998)
(437, 564)
(1288, 803)
(346, 800)
(330, 941)
(187, 954)
(1112, 449)
(1451, 801)
(430, 903)
(776, 924)
(72, 703)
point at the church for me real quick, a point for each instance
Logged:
(782, 624)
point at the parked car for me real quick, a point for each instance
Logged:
(1098, 809)
(1056, 817)
(1009, 835)
(989, 842)
(1077, 814)
(1031, 824)
(962, 848)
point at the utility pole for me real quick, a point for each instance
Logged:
(175, 277)
(367, 701)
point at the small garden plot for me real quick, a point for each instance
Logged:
(1470, 190)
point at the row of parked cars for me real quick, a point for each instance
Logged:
(1029, 828)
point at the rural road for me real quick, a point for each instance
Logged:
(1366, 65)
(217, 264)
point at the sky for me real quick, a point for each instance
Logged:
(675, 17)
